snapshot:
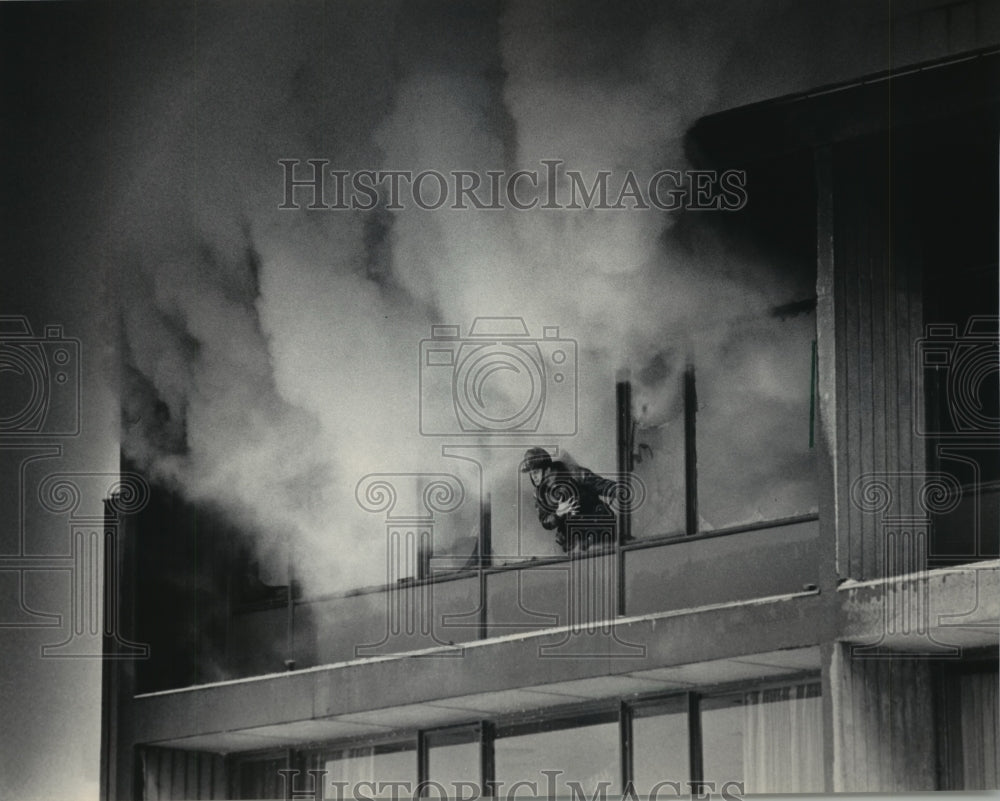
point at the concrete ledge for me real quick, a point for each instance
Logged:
(935, 613)
(932, 614)
(467, 680)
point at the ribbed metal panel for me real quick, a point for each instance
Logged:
(884, 725)
(170, 774)
(878, 320)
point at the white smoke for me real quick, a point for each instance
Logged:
(274, 354)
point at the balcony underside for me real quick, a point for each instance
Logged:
(507, 676)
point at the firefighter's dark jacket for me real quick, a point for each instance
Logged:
(563, 482)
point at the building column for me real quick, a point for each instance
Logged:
(881, 725)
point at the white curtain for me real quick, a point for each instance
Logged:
(783, 740)
(978, 693)
(352, 765)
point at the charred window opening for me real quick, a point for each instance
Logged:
(947, 201)
(202, 602)
(725, 415)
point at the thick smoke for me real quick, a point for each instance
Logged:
(273, 355)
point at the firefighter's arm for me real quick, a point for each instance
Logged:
(548, 519)
(605, 488)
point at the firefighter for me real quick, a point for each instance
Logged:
(573, 500)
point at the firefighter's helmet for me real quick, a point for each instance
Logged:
(535, 458)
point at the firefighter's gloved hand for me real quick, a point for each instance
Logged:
(567, 508)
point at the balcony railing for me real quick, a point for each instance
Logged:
(582, 594)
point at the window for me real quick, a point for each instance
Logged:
(167, 773)
(584, 751)
(660, 745)
(259, 776)
(725, 413)
(369, 769)
(766, 739)
(454, 756)
(958, 353)
(754, 420)
(769, 739)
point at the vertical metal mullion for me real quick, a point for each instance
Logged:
(197, 777)
(486, 537)
(141, 762)
(620, 584)
(422, 763)
(690, 449)
(487, 758)
(291, 762)
(289, 660)
(233, 767)
(695, 760)
(230, 556)
(623, 399)
(485, 560)
(625, 744)
(831, 436)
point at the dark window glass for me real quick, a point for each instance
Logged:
(958, 353)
